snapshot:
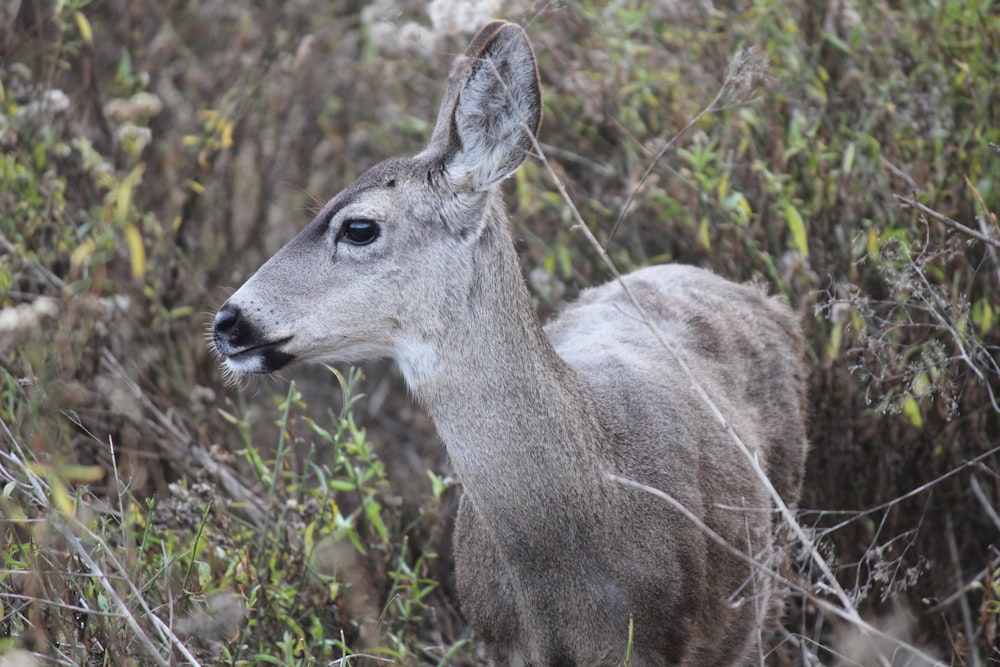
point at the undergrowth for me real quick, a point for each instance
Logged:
(286, 578)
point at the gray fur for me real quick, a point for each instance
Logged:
(552, 558)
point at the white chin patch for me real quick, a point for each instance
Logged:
(246, 365)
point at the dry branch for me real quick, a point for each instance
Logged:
(908, 202)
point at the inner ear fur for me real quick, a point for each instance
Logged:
(492, 108)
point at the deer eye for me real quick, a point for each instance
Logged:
(359, 232)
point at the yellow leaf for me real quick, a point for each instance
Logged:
(84, 25)
(231, 418)
(522, 189)
(136, 515)
(848, 160)
(61, 497)
(912, 410)
(797, 227)
(873, 244)
(723, 189)
(309, 538)
(82, 253)
(963, 72)
(134, 177)
(704, 234)
(745, 205)
(227, 133)
(123, 202)
(137, 252)
(123, 193)
(81, 474)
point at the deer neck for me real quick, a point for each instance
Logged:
(518, 426)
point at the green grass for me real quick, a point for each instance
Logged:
(851, 164)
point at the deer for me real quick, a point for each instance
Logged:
(557, 562)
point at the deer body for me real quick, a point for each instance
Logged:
(415, 261)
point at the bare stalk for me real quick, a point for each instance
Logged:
(842, 613)
(123, 609)
(980, 495)
(950, 222)
(963, 603)
(40, 495)
(738, 71)
(182, 451)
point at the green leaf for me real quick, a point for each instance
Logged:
(204, 574)
(912, 410)
(704, 234)
(797, 227)
(836, 340)
(342, 485)
(983, 315)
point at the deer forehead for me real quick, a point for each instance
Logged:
(373, 195)
(396, 191)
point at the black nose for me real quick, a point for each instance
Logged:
(226, 320)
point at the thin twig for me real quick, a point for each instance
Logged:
(187, 454)
(842, 613)
(69, 531)
(733, 74)
(959, 594)
(570, 156)
(982, 219)
(346, 660)
(40, 269)
(950, 222)
(166, 633)
(900, 173)
(58, 604)
(123, 609)
(963, 601)
(980, 495)
(938, 309)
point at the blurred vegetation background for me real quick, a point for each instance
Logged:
(152, 155)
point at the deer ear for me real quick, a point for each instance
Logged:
(492, 108)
